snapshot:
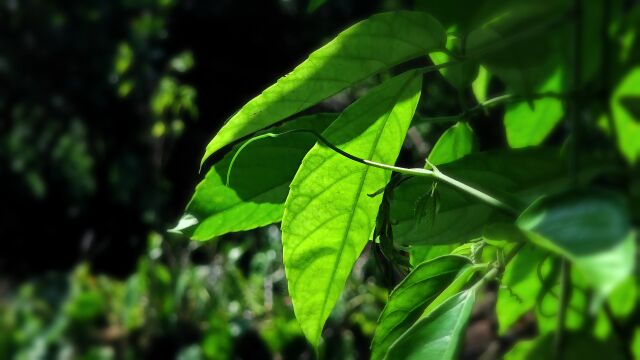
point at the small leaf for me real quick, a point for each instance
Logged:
(439, 334)
(365, 49)
(528, 124)
(454, 144)
(591, 228)
(460, 74)
(409, 299)
(520, 286)
(328, 215)
(480, 85)
(259, 183)
(625, 106)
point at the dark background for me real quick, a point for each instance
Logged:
(82, 177)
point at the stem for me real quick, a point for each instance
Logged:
(565, 296)
(434, 174)
(573, 125)
(496, 101)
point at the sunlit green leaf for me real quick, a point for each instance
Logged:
(480, 85)
(520, 286)
(528, 124)
(365, 49)
(328, 215)
(590, 227)
(258, 184)
(409, 299)
(439, 334)
(459, 74)
(625, 106)
(454, 144)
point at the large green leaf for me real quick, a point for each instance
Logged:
(528, 124)
(525, 173)
(590, 227)
(366, 48)
(439, 334)
(455, 143)
(328, 215)
(625, 107)
(410, 298)
(258, 186)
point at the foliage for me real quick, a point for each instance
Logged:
(554, 223)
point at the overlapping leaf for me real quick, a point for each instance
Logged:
(439, 334)
(524, 173)
(590, 227)
(364, 49)
(410, 298)
(328, 216)
(258, 186)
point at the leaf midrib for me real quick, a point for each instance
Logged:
(356, 201)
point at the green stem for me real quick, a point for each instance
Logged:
(434, 174)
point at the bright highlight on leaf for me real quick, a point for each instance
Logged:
(328, 216)
(363, 50)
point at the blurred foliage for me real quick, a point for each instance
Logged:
(231, 302)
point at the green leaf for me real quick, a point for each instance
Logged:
(365, 49)
(454, 144)
(510, 49)
(420, 254)
(528, 124)
(258, 187)
(480, 85)
(635, 344)
(457, 285)
(439, 334)
(410, 298)
(527, 174)
(578, 346)
(591, 228)
(314, 5)
(459, 74)
(624, 298)
(328, 216)
(625, 107)
(520, 286)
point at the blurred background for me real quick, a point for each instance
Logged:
(106, 107)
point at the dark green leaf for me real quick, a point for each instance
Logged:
(439, 334)
(578, 346)
(259, 183)
(328, 215)
(365, 49)
(410, 298)
(590, 227)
